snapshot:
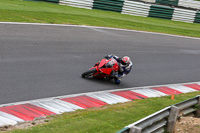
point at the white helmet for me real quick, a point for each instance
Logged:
(125, 61)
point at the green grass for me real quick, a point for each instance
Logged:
(41, 12)
(107, 119)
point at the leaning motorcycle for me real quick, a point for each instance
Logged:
(103, 69)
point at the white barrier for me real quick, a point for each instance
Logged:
(183, 15)
(142, 9)
(189, 4)
(184, 3)
(136, 8)
(149, 1)
(88, 4)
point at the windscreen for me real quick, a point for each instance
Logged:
(111, 63)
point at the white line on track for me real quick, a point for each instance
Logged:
(84, 26)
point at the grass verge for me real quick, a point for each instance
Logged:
(107, 119)
(41, 12)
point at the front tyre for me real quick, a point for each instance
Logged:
(89, 73)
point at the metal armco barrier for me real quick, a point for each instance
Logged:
(165, 119)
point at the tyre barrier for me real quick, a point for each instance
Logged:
(139, 8)
(161, 12)
(108, 5)
(88, 4)
(136, 8)
(187, 16)
(192, 4)
(52, 1)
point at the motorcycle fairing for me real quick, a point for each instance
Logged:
(103, 69)
(102, 63)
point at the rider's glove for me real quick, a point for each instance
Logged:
(108, 56)
(118, 75)
(121, 76)
(113, 74)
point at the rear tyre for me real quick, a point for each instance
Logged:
(89, 73)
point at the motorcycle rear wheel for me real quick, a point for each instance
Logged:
(89, 73)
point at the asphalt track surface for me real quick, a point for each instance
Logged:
(47, 61)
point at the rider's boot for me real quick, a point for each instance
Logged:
(117, 80)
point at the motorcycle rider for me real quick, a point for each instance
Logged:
(125, 66)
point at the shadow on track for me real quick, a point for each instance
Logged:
(107, 82)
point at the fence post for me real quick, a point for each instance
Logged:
(174, 111)
(135, 129)
(197, 114)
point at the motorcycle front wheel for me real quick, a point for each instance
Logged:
(89, 73)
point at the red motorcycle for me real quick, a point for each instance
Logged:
(102, 69)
